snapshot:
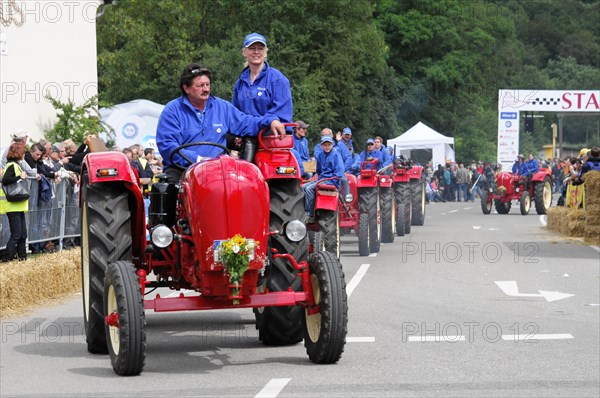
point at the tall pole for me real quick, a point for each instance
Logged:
(560, 135)
(554, 154)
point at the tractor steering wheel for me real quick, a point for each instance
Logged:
(177, 151)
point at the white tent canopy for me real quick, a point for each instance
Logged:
(421, 136)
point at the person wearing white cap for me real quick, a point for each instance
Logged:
(260, 88)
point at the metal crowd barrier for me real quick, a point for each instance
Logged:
(55, 220)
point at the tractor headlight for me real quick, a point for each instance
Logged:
(349, 198)
(517, 190)
(161, 236)
(491, 189)
(295, 230)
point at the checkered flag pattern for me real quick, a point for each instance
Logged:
(546, 101)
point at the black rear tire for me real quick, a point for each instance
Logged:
(542, 194)
(325, 332)
(525, 203)
(486, 203)
(368, 203)
(502, 207)
(363, 234)
(283, 325)
(127, 341)
(418, 202)
(400, 219)
(387, 215)
(105, 238)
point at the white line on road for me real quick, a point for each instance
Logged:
(467, 208)
(531, 337)
(543, 220)
(273, 388)
(360, 339)
(356, 278)
(452, 211)
(373, 255)
(596, 248)
(435, 339)
(476, 227)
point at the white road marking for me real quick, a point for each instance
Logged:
(360, 339)
(596, 248)
(532, 337)
(467, 208)
(373, 255)
(566, 275)
(356, 279)
(435, 339)
(443, 214)
(544, 220)
(452, 211)
(494, 229)
(593, 305)
(476, 226)
(273, 388)
(511, 288)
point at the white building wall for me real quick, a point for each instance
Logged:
(53, 51)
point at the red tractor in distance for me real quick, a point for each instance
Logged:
(216, 200)
(402, 195)
(360, 211)
(511, 187)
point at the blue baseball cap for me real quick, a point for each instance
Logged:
(347, 131)
(370, 141)
(326, 138)
(254, 38)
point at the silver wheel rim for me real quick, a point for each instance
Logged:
(114, 334)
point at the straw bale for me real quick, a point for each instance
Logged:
(25, 284)
(592, 213)
(555, 215)
(592, 234)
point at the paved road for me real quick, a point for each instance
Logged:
(467, 305)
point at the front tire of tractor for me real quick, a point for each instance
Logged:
(325, 332)
(542, 194)
(387, 215)
(329, 229)
(486, 203)
(105, 238)
(283, 325)
(368, 203)
(418, 202)
(525, 203)
(127, 340)
(363, 234)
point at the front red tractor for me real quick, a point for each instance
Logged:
(219, 203)
(511, 187)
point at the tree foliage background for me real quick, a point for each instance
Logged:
(377, 66)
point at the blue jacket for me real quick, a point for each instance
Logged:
(181, 123)
(301, 146)
(533, 166)
(364, 155)
(355, 168)
(522, 169)
(342, 149)
(269, 93)
(330, 165)
(386, 158)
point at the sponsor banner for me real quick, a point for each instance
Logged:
(508, 139)
(514, 101)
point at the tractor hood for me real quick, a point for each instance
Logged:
(224, 197)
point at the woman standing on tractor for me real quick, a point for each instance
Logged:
(261, 89)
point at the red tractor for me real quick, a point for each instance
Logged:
(511, 187)
(387, 205)
(402, 195)
(360, 211)
(216, 202)
(325, 230)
